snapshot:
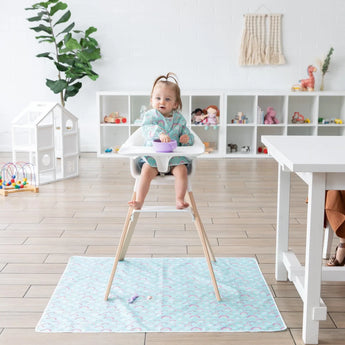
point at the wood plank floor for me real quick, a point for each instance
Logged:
(84, 216)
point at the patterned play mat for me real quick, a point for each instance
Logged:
(167, 295)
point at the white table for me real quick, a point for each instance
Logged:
(320, 162)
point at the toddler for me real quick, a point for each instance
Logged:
(166, 123)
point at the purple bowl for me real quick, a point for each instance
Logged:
(158, 146)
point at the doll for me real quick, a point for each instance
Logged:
(197, 116)
(212, 114)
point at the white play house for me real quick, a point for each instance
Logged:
(47, 136)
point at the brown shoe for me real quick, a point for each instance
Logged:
(333, 260)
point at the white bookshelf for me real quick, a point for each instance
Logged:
(312, 105)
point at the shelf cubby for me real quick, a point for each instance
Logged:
(302, 129)
(278, 102)
(245, 104)
(304, 105)
(242, 136)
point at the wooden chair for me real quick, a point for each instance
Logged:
(134, 148)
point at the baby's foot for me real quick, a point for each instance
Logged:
(181, 204)
(135, 204)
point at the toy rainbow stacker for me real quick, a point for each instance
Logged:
(17, 177)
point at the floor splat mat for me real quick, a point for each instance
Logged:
(161, 295)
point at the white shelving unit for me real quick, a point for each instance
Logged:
(312, 105)
(129, 104)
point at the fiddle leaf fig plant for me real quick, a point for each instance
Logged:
(72, 50)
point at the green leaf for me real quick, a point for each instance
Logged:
(92, 42)
(59, 45)
(67, 37)
(83, 57)
(56, 85)
(72, 90)
(68, 29)
(72, 44)
(90, 30)
(60, 67)
(46, 55)
(67, 59)
(37, 18)
(44, 36)
(41, 4)
(92, 54)
(50, 40)
(92, 75)
(64, 18)
(42, 27)
(59, 6)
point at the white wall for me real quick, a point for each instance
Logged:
(141, 39)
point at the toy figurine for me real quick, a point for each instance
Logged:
(211, 115)
(115, 118)
(297, 118)
(197, 116)
(270, 117)
(240, 118)
(308, 84)
(232, 147)
(262, 149)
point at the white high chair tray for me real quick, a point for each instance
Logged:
(188, 151)
(162, 158)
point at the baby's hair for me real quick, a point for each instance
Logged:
(163, 79)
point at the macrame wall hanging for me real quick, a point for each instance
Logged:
(261, 41)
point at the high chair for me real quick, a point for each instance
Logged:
(134, 148)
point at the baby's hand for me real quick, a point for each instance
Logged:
(184, 139)
(164, 138)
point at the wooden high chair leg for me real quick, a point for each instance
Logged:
(124, 240)
(131, 227)
(200, 224)
(205, 244)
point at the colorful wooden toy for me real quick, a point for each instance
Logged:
(14, 178)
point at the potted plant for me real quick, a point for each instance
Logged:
(73, 50)
(324, 67)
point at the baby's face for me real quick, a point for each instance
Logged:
(163, 99)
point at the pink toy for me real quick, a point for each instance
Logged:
(308, 84)
(211, 117)
(270, 117)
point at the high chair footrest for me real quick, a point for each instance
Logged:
(162, 209)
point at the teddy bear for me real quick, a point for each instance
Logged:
(211, 115)
(270, 117)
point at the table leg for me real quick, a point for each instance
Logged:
(283, 215)
(313, 257)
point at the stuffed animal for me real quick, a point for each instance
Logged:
(197, 116)
(270, 117)
(211, 115)
(308, 84)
